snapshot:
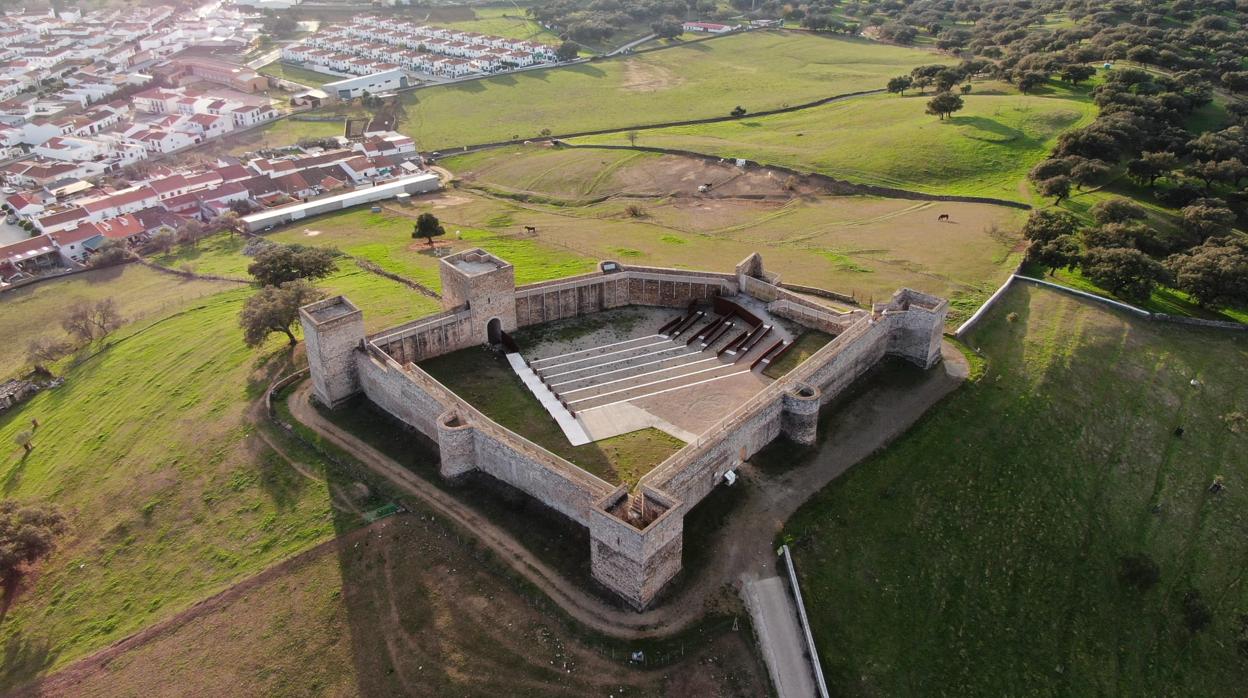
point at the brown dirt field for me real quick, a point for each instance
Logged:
(590, 173)
(868, 246)
(640, 76)
(403, 607)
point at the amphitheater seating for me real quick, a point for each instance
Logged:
(686, 352)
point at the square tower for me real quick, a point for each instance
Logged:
(487, 286)
(332, 330)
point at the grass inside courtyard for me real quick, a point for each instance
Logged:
(486, 380)
(984, 552)
(759, 70)
(984, 150)
(804, 346)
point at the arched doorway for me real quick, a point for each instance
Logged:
(494, 331)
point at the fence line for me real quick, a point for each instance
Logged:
(970, 323)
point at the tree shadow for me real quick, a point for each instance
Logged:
(987, 125)
(97, 276)
(24, 659)
(13, 478)
(592, 71)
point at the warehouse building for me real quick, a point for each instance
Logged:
(418, 184)
(385, 81)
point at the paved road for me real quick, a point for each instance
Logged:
(780, 635)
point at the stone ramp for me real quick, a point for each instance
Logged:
(571, 428)
(780, 636)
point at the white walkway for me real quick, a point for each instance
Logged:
(571, 428)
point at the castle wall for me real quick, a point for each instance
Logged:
(332, 329)
(635, 557)
(592, 293)
(636, 563)
(418, 400)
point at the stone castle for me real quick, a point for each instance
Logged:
(636, 537)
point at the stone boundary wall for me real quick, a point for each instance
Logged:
(429, 337)
(592, 293)
(420, 401)
(972, 321)
(827, 322)
(821, 292)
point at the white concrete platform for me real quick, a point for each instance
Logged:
(571, 428)
(622, 418)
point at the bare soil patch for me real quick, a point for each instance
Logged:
(403, 607)
(642, 76)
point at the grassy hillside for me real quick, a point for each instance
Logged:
(984, 150)
(983, 553)
(36, 311)
(760, 70)
(147, 448)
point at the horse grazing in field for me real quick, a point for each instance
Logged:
(530, 229)
(943, 217)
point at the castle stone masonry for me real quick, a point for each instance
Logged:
(635, 536)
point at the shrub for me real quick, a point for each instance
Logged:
(1138, 571)
(1196, 613)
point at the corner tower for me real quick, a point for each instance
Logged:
(332, 330)
(486, 286)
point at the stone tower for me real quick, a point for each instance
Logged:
(332, 329)
(487, 286)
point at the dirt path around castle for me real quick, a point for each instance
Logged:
(742, 548)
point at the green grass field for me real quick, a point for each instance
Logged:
(760, 70)
(36, 311)
(980, 554)
(294, 73)
(808, 343)
(386, 240)
(984, 150)
(146, 447)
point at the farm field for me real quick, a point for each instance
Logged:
(146, 446)
(1003, 527)
(688, 82)
(984, 150)
(294, 73)
(861, 245)
(36, 310)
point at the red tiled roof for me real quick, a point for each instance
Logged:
(120, 199)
